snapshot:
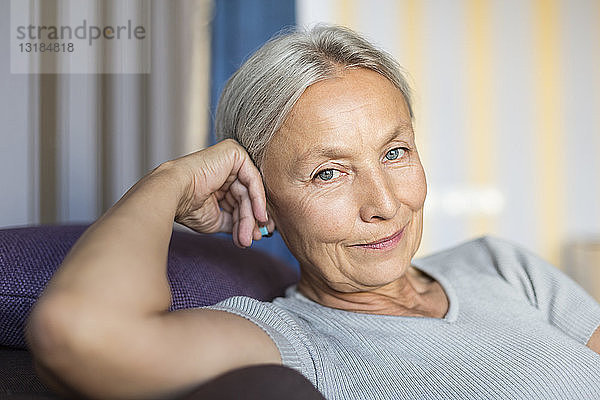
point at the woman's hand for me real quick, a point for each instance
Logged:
(222, 191)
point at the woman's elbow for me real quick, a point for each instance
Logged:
(57, 338)
(47, 331)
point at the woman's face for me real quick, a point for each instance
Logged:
(345, 184)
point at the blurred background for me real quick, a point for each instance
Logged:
(507, 103)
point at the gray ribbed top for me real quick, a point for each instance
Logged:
(516, 328)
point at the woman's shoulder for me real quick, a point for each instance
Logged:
(282, 326)
(485, 253)
(481, 245)
(269, 311)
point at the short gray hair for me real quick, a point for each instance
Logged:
(259, 96)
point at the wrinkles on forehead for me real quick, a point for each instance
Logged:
(328, 150)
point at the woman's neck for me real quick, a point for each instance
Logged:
(414, 294)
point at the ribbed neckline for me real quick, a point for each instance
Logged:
(451, 315)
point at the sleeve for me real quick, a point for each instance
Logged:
(563, 302)
(280, 326)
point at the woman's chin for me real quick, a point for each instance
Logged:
(373, 276)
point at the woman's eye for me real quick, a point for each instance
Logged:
(395, 153)
(328, 174)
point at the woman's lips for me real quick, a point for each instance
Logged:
(383, 244)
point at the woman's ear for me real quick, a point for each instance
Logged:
(271, 214)
(271, 208)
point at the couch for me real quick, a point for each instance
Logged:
(202, 270)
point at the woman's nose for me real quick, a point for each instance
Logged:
(377, 197)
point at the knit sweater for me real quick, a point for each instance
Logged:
(516, 328)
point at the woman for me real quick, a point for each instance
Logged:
(324, 150)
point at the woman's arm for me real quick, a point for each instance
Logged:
(102, 325)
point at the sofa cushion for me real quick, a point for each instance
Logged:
(18, 379)
(202, 270)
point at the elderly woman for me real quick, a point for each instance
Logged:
(321, 146)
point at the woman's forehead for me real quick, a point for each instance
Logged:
(358, 106)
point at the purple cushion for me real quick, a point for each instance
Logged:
(202, 270)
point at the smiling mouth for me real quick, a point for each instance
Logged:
(385, 243)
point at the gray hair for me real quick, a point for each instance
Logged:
(259, 96)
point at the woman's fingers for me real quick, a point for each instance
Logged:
(226, 222)
(225, 173)
(235, 227)
(243, 170)
(270, 225)
(228, 203)
(256, 234)
(250, 177)
(244, 225)
(245, 215)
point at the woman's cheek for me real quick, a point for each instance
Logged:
(421, 188)
(330, 216)
(411, 187)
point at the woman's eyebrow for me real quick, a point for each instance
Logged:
(323, 152)
(339, 152)
(404, 130)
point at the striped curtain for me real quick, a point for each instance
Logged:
(77, 142)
